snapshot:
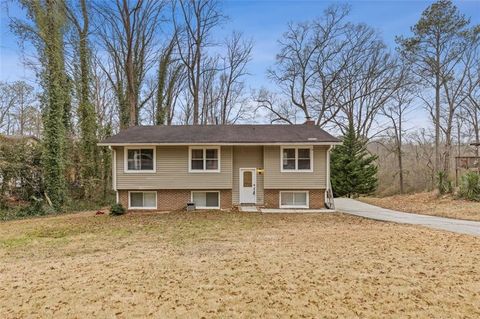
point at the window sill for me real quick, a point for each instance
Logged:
(296, 170)
(293, 206)
(140, 171)
(204, 171)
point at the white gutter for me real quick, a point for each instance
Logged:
(223, 144)
(329, 183)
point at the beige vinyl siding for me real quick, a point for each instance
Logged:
(275, 179)
(172, 171)
(247, 157)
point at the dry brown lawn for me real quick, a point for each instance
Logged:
(222, 264)
(429, 204)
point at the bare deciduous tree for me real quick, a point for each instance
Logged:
(278, 109)
(195, 20)
(103, 98)
(25, 113)
(171, 79)
(232, 102)
(368, 82)
(223, 87)
(334, 71)
(128, 32)
(208, 96)
(395, 111)
(310, 61)
(8, 99)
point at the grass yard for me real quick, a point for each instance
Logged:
(221, 264)
(429, 204)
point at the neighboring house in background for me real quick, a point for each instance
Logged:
(29, 139)
(13, 140)
(221, 166)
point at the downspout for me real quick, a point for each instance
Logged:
(114, 173)
(329, 183)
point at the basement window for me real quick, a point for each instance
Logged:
(206, 199)
(294, 199)
(142, 200)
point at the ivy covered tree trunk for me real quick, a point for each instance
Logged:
(122, 106)
(353, 168)
(46, 32)
(165, 60)
(49, 19)
(86, 111)
(169, 78)
(106, 164)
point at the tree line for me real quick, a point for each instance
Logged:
(344, 76)
(103, 66)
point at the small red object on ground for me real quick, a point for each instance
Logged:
(99, 212)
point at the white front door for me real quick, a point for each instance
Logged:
(248, 181)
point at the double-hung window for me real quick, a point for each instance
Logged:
(296, 159)
(139, 159)
(204, 159)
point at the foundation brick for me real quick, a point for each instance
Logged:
(175, 199)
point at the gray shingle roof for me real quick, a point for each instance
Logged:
(224, 134)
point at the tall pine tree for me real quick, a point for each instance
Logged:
(436, 49)
(353, 167)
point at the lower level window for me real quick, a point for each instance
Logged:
(298, 199)
(144, 200)
(206, 199)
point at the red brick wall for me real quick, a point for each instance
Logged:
(226, 199)
(173, 199)
(123, 198)
(316, 197)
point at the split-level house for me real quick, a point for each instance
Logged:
(221, 166)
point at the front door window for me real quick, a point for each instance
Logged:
(247, 178)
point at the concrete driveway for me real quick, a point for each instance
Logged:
(354, 207)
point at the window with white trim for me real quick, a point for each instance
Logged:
(206, 199)
(296, 199)
(204, 159)
(142, 200)
(296, 159)
(139, 159)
